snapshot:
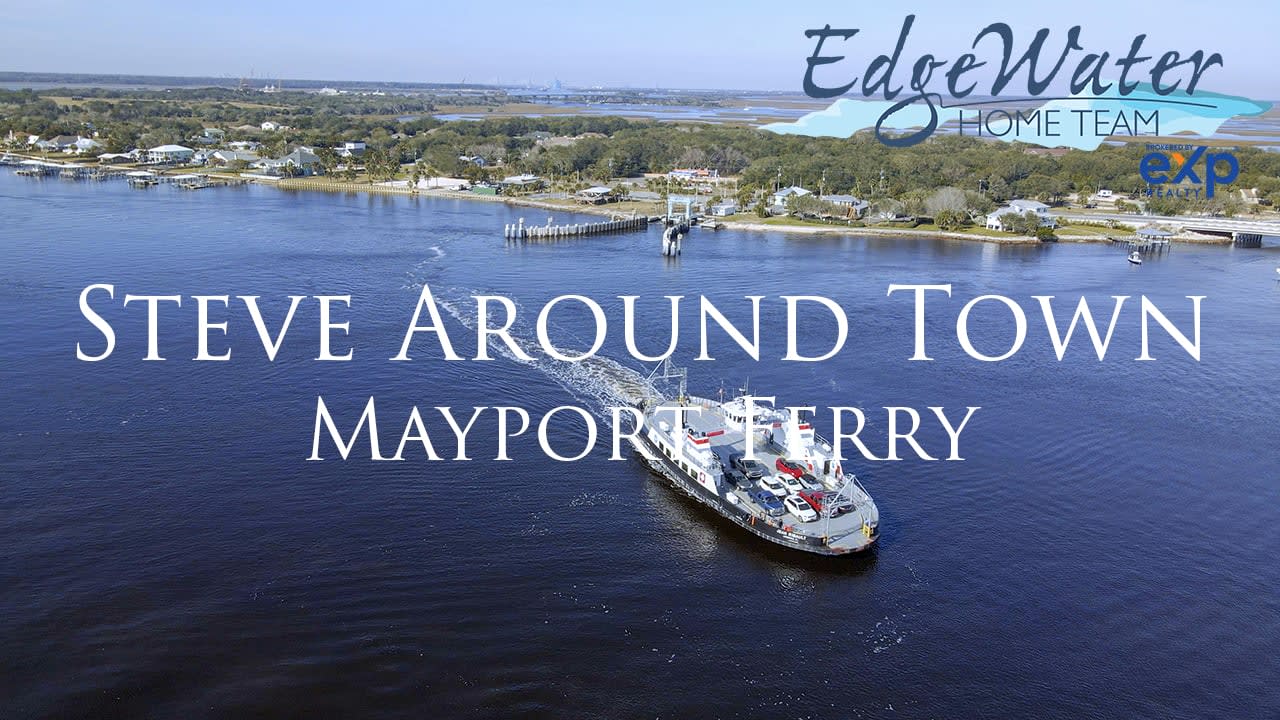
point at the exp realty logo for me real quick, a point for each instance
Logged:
(1180, 167)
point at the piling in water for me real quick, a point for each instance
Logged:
(519, 231)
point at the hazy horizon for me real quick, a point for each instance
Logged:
(751, 45)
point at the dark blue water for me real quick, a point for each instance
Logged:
(1107, 549)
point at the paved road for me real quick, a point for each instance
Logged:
(1209, 224)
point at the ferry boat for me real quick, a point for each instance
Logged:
(795, 493)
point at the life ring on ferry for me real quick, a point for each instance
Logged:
(786, 528)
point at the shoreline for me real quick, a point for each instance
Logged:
(329, 185)
(326, 184)
(747, 226)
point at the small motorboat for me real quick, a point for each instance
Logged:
(1135, 257)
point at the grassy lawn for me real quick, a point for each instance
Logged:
(786, 221)
(967, 230)
(1089, 230)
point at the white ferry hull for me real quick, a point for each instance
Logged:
(778, 532)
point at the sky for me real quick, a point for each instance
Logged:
(747, 44)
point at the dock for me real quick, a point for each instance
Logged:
(1148, 239)
(673, 239)
(135, 176)
(520, 231)
(1144, 244)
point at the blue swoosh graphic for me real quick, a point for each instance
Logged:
(1202, 114)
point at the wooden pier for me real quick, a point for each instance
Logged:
(520, 231)
(39, 168)
(1149, 239)
(1146, 245)
(135, 177)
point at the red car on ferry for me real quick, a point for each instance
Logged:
(793, 469)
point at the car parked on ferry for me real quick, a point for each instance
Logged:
(768, 502)
(818, 500)
(800, 507)
(786, 467)
(753, 469)
(793, 484)
(737, 479)
(771, 485)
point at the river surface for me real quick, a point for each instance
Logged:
(1106, 549)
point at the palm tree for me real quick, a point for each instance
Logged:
(328, 159)
(428, 170)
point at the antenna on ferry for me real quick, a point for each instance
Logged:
(666, 370)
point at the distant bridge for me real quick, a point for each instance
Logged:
(1245, 233)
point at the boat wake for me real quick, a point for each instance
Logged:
(415, 278)
(598, 382)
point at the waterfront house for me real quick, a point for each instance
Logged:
(473, 159)
(62, 142)
(724, 209)
(269, 126)
(303, 159)
(86, 145)
(780, 197)
(244, 145)
(852, 205)
(778, 200)
(596, 195)
(520, 183)
(1034, 206)
(223, 158)
(998, 220)
(111, 158)
(169, 154)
